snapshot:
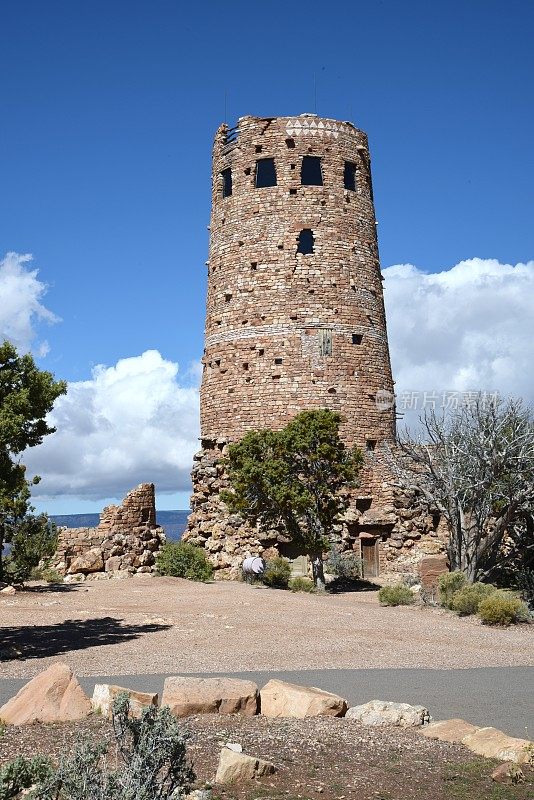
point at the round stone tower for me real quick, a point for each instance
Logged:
(295, 313)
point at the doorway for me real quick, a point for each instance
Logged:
(370, 561)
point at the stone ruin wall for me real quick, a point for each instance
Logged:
(287, 331)
(125, 542)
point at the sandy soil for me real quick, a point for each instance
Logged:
(156, 625)
(316, 758)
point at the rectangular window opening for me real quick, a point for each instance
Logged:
(277, 360)
(325, 342)
(310, 171)
(227, 182)
(349, 176)
(265, 173)
(357, 338)
(306, 241)
(370, 445)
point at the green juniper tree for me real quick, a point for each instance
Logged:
(27, 394)
(296, 479)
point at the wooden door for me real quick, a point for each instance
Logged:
(370, 557)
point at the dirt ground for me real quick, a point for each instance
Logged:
(156, 625)
(315, 758)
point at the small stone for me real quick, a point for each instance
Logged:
(234, 767)
(237, 748)
(449, 730)
(492, 743)
(281, 699)
(104, 694)
(383, 712)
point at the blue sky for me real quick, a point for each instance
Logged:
(108, 113)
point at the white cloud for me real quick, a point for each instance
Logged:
(21, 308)
(131, 423)
(468, 328)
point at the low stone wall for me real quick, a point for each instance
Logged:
(399, 519)
(125, 541)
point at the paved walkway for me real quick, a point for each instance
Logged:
(498, 696)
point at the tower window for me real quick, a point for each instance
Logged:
(349, 176)
(227, 182)
(306, 242)
(310, 172)
(356, 338)
(265, 173)
(370, 445)
(325, 342)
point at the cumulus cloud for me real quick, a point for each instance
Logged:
(132, 422)
(21, 308)
(468, 328)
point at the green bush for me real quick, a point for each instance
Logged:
(46, 573)
(467, 600)
(34, 539)
(346, 566)
(183, 560)
(151, 755)
(19, 775)
(301, 584)
(277, 573)
(449, 583)
(502, 608)
(399, 595)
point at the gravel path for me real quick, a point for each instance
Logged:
(156, 625)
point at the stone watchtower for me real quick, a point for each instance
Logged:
(295, 314)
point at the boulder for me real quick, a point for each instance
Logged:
(186, 695)
(90, 561)
(281, 699)
(383, 712)
(235, 767)
(52, 696)
(8, 590)
(449, 730)
(508, 773)
(430, 568)
(492, 743)
(104, 694)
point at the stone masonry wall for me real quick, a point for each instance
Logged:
(125, 541)
(287, 331)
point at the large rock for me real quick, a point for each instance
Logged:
(53, 696)
(492, 743)
(449, 730)
(235, 767)
(185, 696)
(430, 569)
(104, 694)
(383, 712)
(281, 699)
(90, 561)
